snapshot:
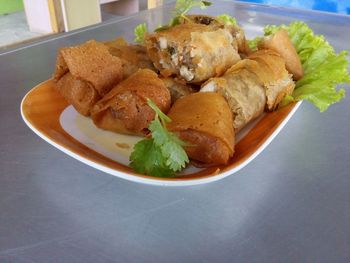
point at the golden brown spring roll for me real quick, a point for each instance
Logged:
(81, 94)
(192, 52)
(252, 85)
(125, 110)
(243, 92)
(133, 57)
(204, 121)
(85, 73)
(177, 89)
(281, 43)
(280, 82)
(239, 40)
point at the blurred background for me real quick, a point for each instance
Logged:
(27, 20)
(342, 7)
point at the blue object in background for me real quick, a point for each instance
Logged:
(342, 7)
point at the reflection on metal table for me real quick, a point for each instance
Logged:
(291, 204)
(341, 7)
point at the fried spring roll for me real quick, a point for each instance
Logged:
(125, 110)
(204, 121)
(280, 82)
(177, 89)
(243, 92)
(85, 73)
(252, 85)
(133, 57)
(81, 94)
(239, 40)
(281, 43)
(192, 52)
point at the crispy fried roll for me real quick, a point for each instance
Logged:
(204, 121)
(243, 92)
(125, 110)
(177, 89)
(85, 73)
(280, 82)
(192, 52)
(252, 85)
(239, 40)
(81, 94)
(281, 43)
(133, 57)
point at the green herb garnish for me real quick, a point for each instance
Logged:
(227, 19)
(180, 10)
(140, 31)
(161, 155)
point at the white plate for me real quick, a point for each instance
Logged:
(49, 116)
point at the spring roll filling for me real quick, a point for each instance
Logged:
(243, 93)
(192, 54)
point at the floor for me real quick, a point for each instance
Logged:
(14, 28)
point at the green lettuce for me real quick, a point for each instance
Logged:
(323, 68)
(227, 19)
(253, 43)
(139, 32)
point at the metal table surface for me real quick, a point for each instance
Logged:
(291, 204)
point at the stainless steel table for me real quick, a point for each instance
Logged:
(291, 204)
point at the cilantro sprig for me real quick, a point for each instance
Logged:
(183, 6)
(180, 10)
(162, 155)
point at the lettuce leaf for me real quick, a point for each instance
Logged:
(253, 43)
(139, 32)
(227, 19)
(323, 68)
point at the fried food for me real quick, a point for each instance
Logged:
(85, 73)
(281, 43)
(277, 81)
(192, 52)
(243, 92)
(125, 110)
(177, 89)
(113, 82)
(239, 40)
(252, 85)
(133, 57)
(81, 94)
(204, 121)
